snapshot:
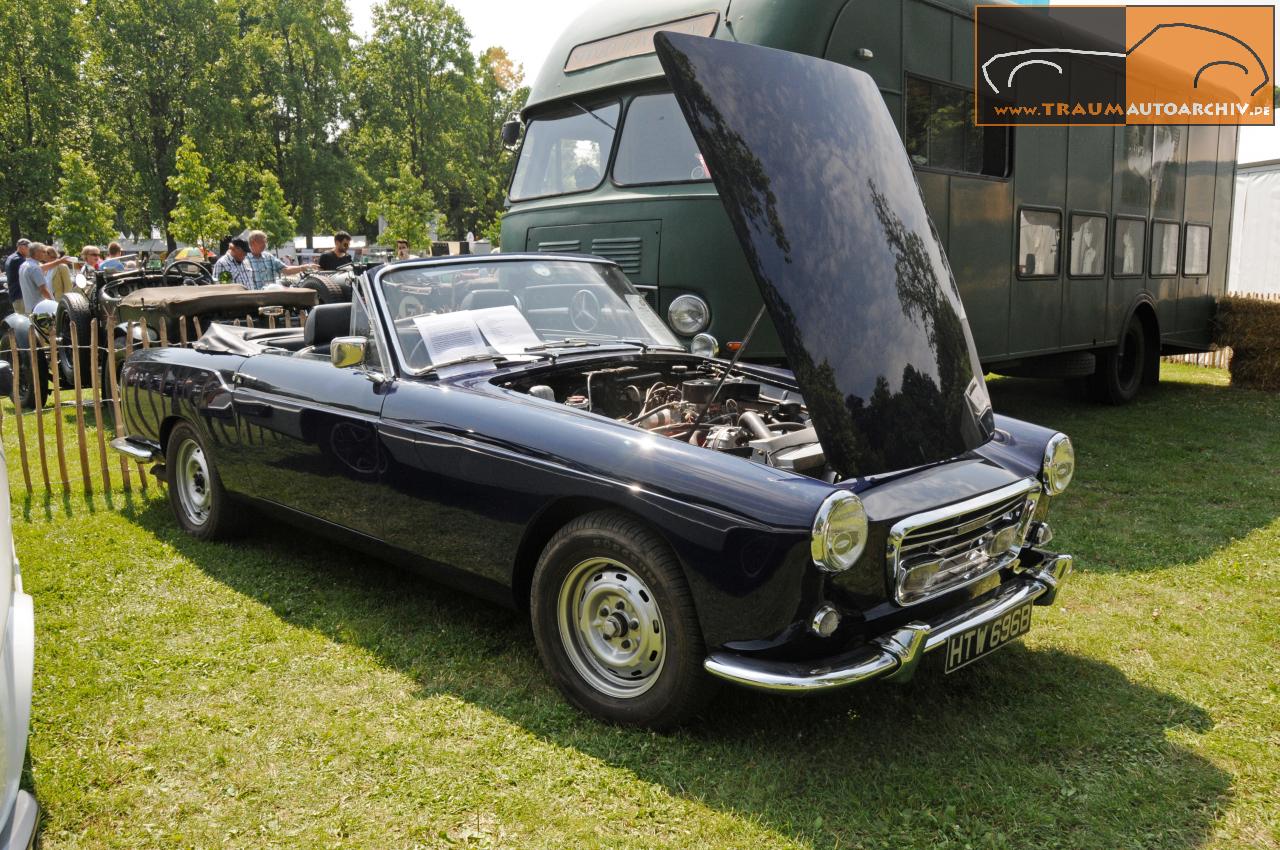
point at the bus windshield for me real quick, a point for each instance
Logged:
(565, 153)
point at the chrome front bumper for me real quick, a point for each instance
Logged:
(895, 654)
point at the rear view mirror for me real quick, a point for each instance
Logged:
(511, 133)
(347, 351)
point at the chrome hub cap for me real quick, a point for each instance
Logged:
(192, 482)
(611, 628)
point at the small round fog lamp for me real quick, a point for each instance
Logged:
(705, 345)
(825, 621)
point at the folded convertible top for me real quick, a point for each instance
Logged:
(227, 298)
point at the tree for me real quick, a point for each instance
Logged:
(40, 92)
(406, 205)
(273, 216)
(198, 216)
(78, 215)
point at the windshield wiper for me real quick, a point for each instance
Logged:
(562, 343)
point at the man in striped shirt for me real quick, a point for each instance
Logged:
(231, 267)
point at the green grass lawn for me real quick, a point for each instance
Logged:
(284, 692)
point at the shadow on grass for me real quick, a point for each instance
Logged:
(1169, 479)
(1042, 747)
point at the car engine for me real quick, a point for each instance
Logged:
(700, 405)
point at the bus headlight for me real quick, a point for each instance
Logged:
(1059, 464)
(689, 315)
(839, 532)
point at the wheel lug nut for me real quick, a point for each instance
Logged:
(626, 644)
(634, 624)
(604, 612)
(620, 605)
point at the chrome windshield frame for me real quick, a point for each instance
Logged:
(388, 322)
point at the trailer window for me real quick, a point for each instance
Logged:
(1088, 245)
(939, 131)
(565, 153)
(1131, 236)
(1164, 249)
(1039, 235)
(656, 145)
(1196, 261)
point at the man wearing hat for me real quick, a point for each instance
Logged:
(232, 267)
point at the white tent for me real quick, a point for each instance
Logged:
(1255, 229)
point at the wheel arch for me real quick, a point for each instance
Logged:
(1144, 310)
(551, 519)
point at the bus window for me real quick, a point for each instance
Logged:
(656, 145)
(940, 133)
(1131, 236)
(1088, 245)
(1164, 249)
(1039, 234)
(1196, 261)
(565, 153)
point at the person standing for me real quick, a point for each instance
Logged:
(92, 256)
(12, 266)
(338, 257)
(402, 250)
(267, 268)
(32, 280)
(113, 263)
(58, 276)
(232, 267)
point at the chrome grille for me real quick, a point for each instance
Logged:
(624, 250)
(942, 550)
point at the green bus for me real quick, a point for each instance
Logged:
(1080, 252)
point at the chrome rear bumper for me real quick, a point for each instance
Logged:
(894, 654)
(134, 448)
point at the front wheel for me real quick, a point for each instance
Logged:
(615, 625)
(25, 383)
(196, 495)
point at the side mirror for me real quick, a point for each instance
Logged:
(6, 379)
(511, 133)
(347, 351)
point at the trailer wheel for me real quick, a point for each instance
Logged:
(1122, 370)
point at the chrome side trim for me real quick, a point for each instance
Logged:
(896, 654)
(135, 450)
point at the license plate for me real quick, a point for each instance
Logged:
(970, 645)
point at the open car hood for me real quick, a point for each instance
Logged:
(821, 193)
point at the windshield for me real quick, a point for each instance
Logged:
(565, 153)
(452, 312)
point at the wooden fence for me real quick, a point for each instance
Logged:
(44, 449)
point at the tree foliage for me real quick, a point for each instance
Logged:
(273, 215)
(406, 206)
(78, 215)
(198, 216)
(279, 86)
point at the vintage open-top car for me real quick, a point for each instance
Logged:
(525, 426)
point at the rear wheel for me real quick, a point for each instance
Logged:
(615, 625)
(22, 381)
(1122, 370)
(73, 310)
(196, 495)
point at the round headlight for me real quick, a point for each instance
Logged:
(705, 345)
(839, 532)
(44, 313)
(1059, 464)
(689, 315)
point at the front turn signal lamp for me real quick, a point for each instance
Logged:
(839, 532)
(1059, 464)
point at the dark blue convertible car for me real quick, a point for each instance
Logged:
(525, 427)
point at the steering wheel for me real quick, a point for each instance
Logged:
(192, 273)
